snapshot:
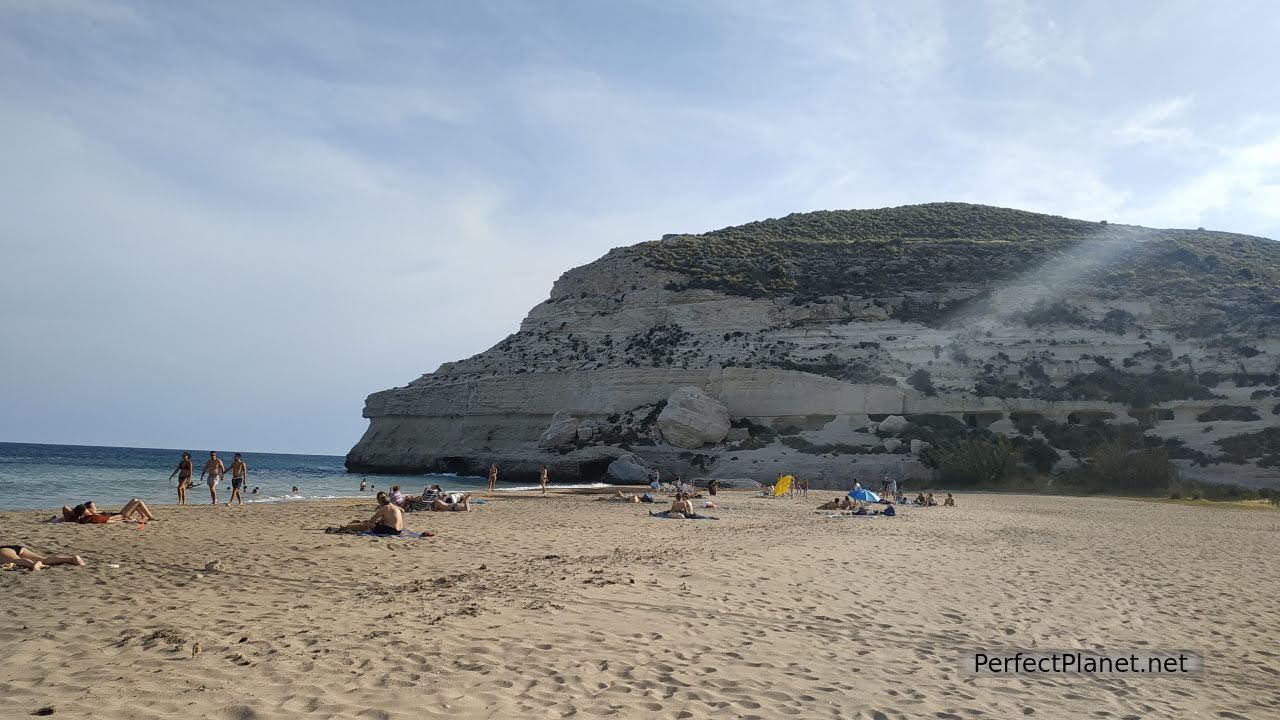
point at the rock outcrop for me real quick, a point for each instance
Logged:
(692, 419)
(810, 340)
(627, 470)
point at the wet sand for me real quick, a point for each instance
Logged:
(565, 606)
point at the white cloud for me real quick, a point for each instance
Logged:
(1244, 179)
(1152, 124)
(1023, 37)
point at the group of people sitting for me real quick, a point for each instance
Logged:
(860, 508)
(432, 499)
(87, 513)
(682, 509)
(388, 519)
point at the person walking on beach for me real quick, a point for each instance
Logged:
(239, 480)
(493, 477)
(183, 471)
(542, 479)
(214, 470)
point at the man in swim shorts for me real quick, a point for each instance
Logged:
(388, 519)
(212, 474)
(239, 478)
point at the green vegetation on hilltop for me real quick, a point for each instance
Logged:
(894, 253)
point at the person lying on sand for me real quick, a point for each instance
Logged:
(462, 505)
(133, 511)
(388, 519)
(949, 502)
(840, 503)
(619, 497)
(424, 501)
(25, 557)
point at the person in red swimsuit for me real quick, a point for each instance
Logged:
(134, 511)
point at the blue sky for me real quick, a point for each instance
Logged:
(223, 224)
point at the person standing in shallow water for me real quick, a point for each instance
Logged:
(542, 479)
(214, 469)
(493, 477)
(240, 479)
(183, 471)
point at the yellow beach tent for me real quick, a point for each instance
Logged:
(783, 485)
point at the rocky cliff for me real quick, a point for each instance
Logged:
(842, 344)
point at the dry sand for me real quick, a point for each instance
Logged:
(564, 606)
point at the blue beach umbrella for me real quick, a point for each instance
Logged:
(864, 495)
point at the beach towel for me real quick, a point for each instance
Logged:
(409, 535)
(665, 515)
(783, 485)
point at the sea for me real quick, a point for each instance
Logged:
(49, 476)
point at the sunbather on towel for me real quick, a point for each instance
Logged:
(462, 505)
(619, 497)
(680, 516)
(682, 504)
(87, 513)
(388, 519)
(840, 503)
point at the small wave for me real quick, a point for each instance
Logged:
(295, 498)
(554, 486)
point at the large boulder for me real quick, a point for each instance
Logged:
(892, 425)
(918, 446)
(563, 428)
(693, 418)
(892, 444)
(628, 470)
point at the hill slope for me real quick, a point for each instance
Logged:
(968, 321)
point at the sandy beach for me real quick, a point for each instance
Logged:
(563, 606)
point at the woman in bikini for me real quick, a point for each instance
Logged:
(25, 557)
(88, 514)
(183, 471)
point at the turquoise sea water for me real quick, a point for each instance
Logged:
(49, 476)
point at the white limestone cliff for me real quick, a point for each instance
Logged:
(656, 368)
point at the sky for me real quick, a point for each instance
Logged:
(223, 224)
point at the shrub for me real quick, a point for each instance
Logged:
(1038, 454)
(1228, 412)
(1056, 313)
(1115, 468)
(922, 381)
(974, 463)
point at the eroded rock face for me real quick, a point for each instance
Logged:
(563, 428)
(692, 419)
(628, 470)
(987, 321)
